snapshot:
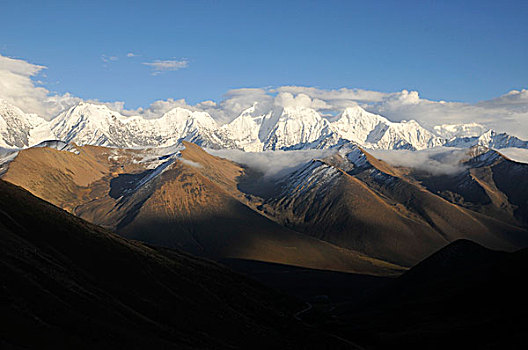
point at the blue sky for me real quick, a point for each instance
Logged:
(447, 50)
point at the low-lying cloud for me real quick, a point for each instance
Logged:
(272, 164)
(516, 154)
(437, 161)
(276, 164)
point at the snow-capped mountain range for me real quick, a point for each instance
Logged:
(278, 129)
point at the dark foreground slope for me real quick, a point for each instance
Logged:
(66, 283)
(463, 296)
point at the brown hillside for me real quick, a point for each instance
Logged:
(193, 204)
(377, 210)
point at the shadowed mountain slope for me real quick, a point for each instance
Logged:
(463, 296)
(358, 202)
(68, 283)
(491, 184)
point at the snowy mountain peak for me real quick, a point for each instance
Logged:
(245, 130)
(181, 118)
(87, 123)
(300, 113)
(377, 132)
(94, 124)
(87, 113)
(91, 110)
(490, 139)
(19, 129)
(356, 124)
(357, 112)
(249, 111)
(295, 127)
(183, 124)
(450, 131)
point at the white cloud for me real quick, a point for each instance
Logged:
(286, 99)
(235, 101)
(272, 164)
(507, 113)
(516, 154)
(131, 54)
(337, 96)
(158, 108)
(190, 162)
(512, 100)
(18, 88)
(437, 161)
(160, 66)
(109, 59)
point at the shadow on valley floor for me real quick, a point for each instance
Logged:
(463, 296)
(315, 286)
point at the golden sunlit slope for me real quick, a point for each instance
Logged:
(187, 199)
(67, 179)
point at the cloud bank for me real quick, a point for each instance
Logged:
(276, 164)
(516, 154)
(272, 164)
(437, 161)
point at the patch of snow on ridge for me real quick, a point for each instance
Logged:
(6, 156)
(354, 155)
(310, 176)
(155, 173)
(58, 145)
